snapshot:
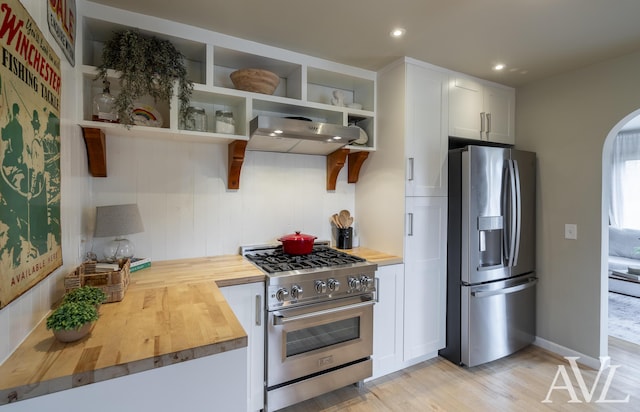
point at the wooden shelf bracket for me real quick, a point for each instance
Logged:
(335, 162)
(356, 159)
(94, 139)
(236, 158)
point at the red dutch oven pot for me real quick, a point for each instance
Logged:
(297, 243)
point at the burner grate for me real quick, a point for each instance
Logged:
(321, 257)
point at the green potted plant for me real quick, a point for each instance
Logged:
(148, 66)
(91, 294)
(72, 320)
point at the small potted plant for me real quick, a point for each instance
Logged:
(148, 66)
(91, 294)
(72, 321)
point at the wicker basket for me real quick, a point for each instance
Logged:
(113, 283)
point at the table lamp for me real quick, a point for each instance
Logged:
(118, 221)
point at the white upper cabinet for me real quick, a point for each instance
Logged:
(481, 111)
(306, 88)
(426, 131)
(499, 103)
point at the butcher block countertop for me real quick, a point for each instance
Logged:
(172, 312)
(381, 258)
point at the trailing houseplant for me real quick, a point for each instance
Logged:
(90, 294)
(72, 320)
(148, 66)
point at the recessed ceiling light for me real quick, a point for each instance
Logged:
(499, 66)
(398, 32)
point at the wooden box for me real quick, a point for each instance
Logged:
(113, 283)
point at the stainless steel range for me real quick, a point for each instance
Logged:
(319, 322)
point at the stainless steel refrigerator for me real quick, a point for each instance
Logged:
(491, 282)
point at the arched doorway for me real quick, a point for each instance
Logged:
(606, 184)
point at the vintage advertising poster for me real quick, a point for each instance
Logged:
(30, 241)
(61, 18)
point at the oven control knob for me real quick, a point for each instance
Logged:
(354, 283)
(296, 292)
(320, 286)
(281, 294)
(366, 282)
(334, 285)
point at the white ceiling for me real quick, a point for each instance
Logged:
(534, 38)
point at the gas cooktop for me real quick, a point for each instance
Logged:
(321, 275)
(276, 260)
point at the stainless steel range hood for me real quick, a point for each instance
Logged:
(278, 134)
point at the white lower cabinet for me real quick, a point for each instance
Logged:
(208, 384)
(425, 277)
(247, 303)
(387, 321)
(409, 318)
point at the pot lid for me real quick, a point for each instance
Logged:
(297, 237)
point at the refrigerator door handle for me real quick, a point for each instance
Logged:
(512, 214)
(410, 224)
(518, 212)
(531, 282)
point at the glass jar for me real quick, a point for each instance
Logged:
(225, 122)
(104, 105)
(196, 119)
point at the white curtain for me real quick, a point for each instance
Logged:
(624, 211)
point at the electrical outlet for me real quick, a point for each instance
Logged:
(570, 231)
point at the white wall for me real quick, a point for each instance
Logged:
(565, 120)
(19, 317)
(187, 211)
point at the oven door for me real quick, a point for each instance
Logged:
(319, 337)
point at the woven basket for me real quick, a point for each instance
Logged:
(113, 283)
(255, 80)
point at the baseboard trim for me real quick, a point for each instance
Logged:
(564, 351)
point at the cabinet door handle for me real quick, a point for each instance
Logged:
(410, 168)
(258, 310)
(481, 124)
(377, 282)
(410, 218)
(488, 115)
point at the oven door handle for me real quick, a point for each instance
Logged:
(278, 319)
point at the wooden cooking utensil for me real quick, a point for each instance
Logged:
(344, 218)
(350, 221)
(336, 220)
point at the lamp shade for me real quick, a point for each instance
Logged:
(117, 220)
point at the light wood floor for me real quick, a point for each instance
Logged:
(516, 383)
